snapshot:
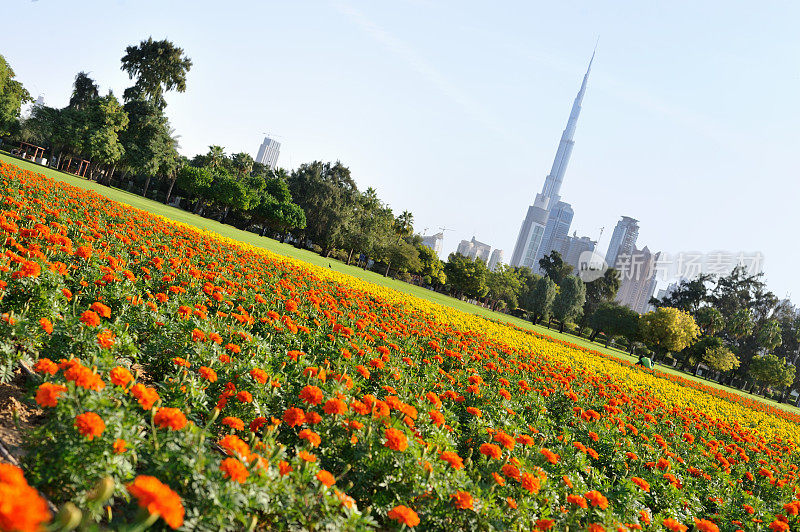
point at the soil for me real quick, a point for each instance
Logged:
(17, 414)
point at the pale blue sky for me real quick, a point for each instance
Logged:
(453, 110)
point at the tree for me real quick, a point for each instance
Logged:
(404, 224)
(599, 291)
(12, 96)
(689, 295)
(613, 319)
(84, 90)
(147, 140)
(568, 303)
(504, 287)
(770, 370)
(242, 163)
(539, 300)
(431, 269)
(466, 276)
(709, 320)
(158, 67)
(720, 358)
(668, 329)
(196, 182)
(328, 195)
(105, 119)
(554, 267)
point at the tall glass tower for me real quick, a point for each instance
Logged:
(546, 225)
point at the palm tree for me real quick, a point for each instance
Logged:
(404, 224)
(216, 154)
(84, 89)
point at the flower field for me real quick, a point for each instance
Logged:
(216, 386)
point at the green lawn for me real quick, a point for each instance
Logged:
(231, 232)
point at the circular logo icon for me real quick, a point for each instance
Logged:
(591, 266)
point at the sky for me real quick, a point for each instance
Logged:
(453, 109)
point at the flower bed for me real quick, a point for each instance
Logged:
(221, 387)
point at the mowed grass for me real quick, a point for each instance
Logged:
(287, 250)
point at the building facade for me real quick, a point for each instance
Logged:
(474, 249)
(638, 279)
(623, 240)
(574, 247)
(496, 260)
(434, 242)
(268, 152)
(547, 221)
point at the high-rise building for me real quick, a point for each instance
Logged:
(474, 249)
(623, 240)
(547, 222)
(496, 259)
(268, 152)
(638, 278)
(434, 242)
(574, 247)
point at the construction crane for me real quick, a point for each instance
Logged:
(443, 229)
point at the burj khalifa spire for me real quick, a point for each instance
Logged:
(548, 219)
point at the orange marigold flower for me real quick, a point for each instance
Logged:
(170, 418)
(100, 308)
(674, 526)
(198, 335)
(326, 478)
(436, 417)
(404, 515)
(313, 418)
(778, 526)
(462, 500)
(233, 348)
(545, 524)
(525, 440)
(105, 339)
(455, 461)
(259, 375)
(577, 500)
(498, 479)
(596, 499)
(306, 456)
(291, 305)
(45, 365)
(311, 437)
(257, 423)
(704, 525)
(511, 471)
(47, 325)
(311, 395)
(208, 374)
(244, 397)
(84, 377)
(491, 450)
(550, 455)
(642, 483)
(294, 416)
(29, 268)
(47, 393)
(22, 507)
(120, 376)
(335, 406)
(474, 411)
(158, 498)
(395, 440)
(504, 439)
(531, 483)
(233, 422)
(234, 445)
(90, 318)
(284, 468)
(146, 396)
(594, 527)
(119, 446)
(511, 503)
(234, 470)
(90, 425)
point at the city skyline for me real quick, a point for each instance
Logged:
(690, 122)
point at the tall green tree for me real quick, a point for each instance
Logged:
(327, 194)
(598, 292)
(689, 295)
(432, 268)
(149, 145)
(157, 67)
(12, 96)
(104, 120)
(568, 303)
(466, 276)
(554, 267)
(504, 287)
(612, 320)
(539, 299)
(84, 90)
(770, 370)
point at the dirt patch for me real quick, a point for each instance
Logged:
(17, 415)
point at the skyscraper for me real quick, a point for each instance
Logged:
(268, 152)
(547, 222)
(623, 241)
(573, 248)
(638, 275)
(434, 242)
(474, 249)
(496, 259)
